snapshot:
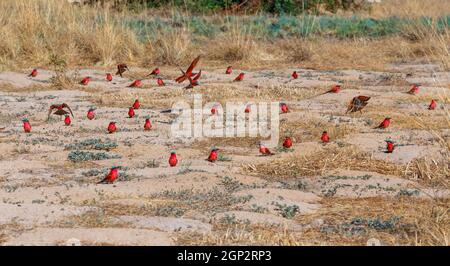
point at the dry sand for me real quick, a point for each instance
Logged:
(152, 204)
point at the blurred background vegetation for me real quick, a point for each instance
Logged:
(290, 7)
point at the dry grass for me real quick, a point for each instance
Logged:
(83, 36)
(421, 222)
(242, 235)
(425, 170)
(410, 8)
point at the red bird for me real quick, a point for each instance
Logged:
(188, 72)
(334, 89)
(240, 77)
(59, 110)
(192, 83)
(414, 89)
(357, 104)
(136, 104)
(385, 124)
(111, 177)
(325, 138)
(90, 114)
(214, 110)
(294, 75)
(229, 70)
(33, 73)
(155, 72)
(85, 81)
(137, 83)
(67, 120)
(213, 155)
(26, 125)
(160, 82)
(131, 112)
(197, 76)
(148, 124)
(248, 108)
(287, 143)
(284, 108)
(173, 159)
(109, 77)
(264, 150)
(121, 68)
(112, 127)
(390, 146)
(432, 105)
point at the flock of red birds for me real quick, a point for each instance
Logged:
(356, 104)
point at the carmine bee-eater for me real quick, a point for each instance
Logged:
(325, 138)
(59, 110)
(264, 150)
(67, 120)
(248, 108)
(26, 125)
(414, 89)
(240, 77)
(111, 176)
(33, 73)
(137, 83)
(131, 112)
(90, 113)
(213, 155)
(214, 109)
(188, 72)
(335, 89)
(155, 72)
(121, 68)
(229, 70)
(357, 104)
(197, 76)
(147, 124)
(109, 77)
(136, 104)
(389, 146)
(112, 127)
(85, 81)
(160, 82)
(287, 143)
(294, 75)
(284, 108)
(173, 159)
(385, 123)
(432, 105)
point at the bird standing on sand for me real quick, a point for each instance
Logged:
(111, 176)
(213, 155)
(173, 160)
(385, 123)
(357, 104)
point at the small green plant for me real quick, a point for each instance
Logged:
(287, 211)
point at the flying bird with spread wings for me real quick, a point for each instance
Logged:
(59, 110)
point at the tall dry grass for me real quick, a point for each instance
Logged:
(31, 32)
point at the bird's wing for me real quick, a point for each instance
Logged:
(192, 66)
(363, 98)
(66, 106)
(53, 106)
(182, 77)
(199, 74)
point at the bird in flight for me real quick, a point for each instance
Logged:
(188, 73)
(59, 110)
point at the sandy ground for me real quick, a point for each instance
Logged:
(48, 200)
